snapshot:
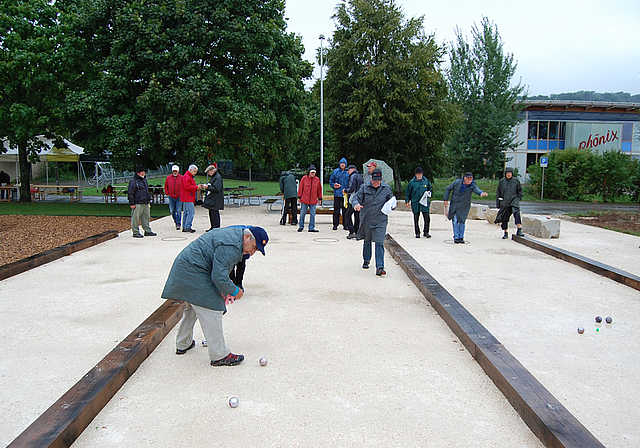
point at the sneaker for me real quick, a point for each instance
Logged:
(351, 236)
(300, 229)
(505, 236)
(182, 352)
(380, 271)
(177, 226)
(229, 360)
(365, 265)
(426, 235)
(461, 241)
(150, 234)
(138, 235)
(520, 232)
(313, 230)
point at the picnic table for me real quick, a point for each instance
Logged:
(239, 195)
(6, 191)
(40, 192)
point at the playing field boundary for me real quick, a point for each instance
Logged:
(620, 276)
(20, 266)
(547, 418)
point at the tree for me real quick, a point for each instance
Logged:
(480, 82)
(189, 80)
(385, 95)
(31, 81)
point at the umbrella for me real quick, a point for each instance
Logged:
(387, 172)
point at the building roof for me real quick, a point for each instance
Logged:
(581, 106)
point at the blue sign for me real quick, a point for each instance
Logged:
(544, 162)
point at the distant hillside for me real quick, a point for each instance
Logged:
(618, 97)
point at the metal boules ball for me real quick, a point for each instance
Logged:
(580, 330)
(598, 319)
(608, 320)
(233, 402)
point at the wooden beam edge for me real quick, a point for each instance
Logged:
(552, 423)
(63, 422)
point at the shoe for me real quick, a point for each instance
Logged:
(461, 241)
(182, 352)
(505, 236)
(177, 226)
(294, 223)
(229, 360)
(365, 265)
(150, 234)
(417, 235)
(313, 230)
(189, 230)
(520, 232)
(351, 236)
(138, 235)
(456, 240)
(283, 223)
(335, 227)
(426, 235)
(380, 271)
(300, 229)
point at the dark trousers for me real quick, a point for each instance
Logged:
(507, 215)
(338, 207)
(290, 205)
(416, 222)
(237, 274)
(352, 224)
(214, 218)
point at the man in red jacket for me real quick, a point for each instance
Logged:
(188, 198)
(310, 193)
(172, 187)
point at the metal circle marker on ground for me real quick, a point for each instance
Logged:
(326, 240)
(174, 238)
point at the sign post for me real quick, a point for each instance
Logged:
(544, 161)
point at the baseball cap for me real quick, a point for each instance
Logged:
(351, 166)
(372, 164)
(312, 168)
(261, 237)
(376, 174)
(468, 174)
(175, 168)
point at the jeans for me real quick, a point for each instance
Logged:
(312, 214)
(458, 228)
(175, 208)
(189, 210)
(366, 253)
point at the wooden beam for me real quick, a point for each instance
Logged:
(20, 266)
(547, 418)
(64, 421)
(624, 277)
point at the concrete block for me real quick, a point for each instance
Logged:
(436, 208)
(541, 226)
(491, 217)
(478, 211)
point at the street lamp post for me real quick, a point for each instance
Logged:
(321, 114)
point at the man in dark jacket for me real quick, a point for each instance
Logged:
(172, 186)
(339, 181)
(418, 197)
(355, 182)
(289, 190)
(214, 197)
(460, 192)
(373, 227)
(508, 201)
(139, 200)
(200, 277)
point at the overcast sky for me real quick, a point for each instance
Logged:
(559, 45)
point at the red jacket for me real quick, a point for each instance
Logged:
(310, 190)
(189, 188)
(173, 185)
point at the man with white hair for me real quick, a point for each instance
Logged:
(188, 198)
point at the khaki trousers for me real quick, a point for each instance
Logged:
(140, 215)
(211, 324)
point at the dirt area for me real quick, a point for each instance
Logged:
(626, 222)
(27, 235)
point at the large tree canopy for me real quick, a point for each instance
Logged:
(480, 82)
(386, 96)
(30, 79)
(188, 80)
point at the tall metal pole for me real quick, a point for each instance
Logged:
(321, 114)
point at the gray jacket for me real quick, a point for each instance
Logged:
(373, 223)
(460, 202)
(200, 273)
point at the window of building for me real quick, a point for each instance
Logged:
(533, 130)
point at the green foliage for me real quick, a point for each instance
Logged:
(618, 97)
(480, 83)
(574, 174)
(385, 94)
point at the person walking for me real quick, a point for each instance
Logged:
(339, 180)
(355, 182)
(460, 193)
(418, 197)
(172, 187)
(200, 277)
(310, 194)
(289, 190)
(139, 200)
(373, 225)
(508, 201)
(214, 197)
(188, 198)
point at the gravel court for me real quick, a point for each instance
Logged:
(373, 366)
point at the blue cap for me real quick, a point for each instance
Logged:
(261, 237)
